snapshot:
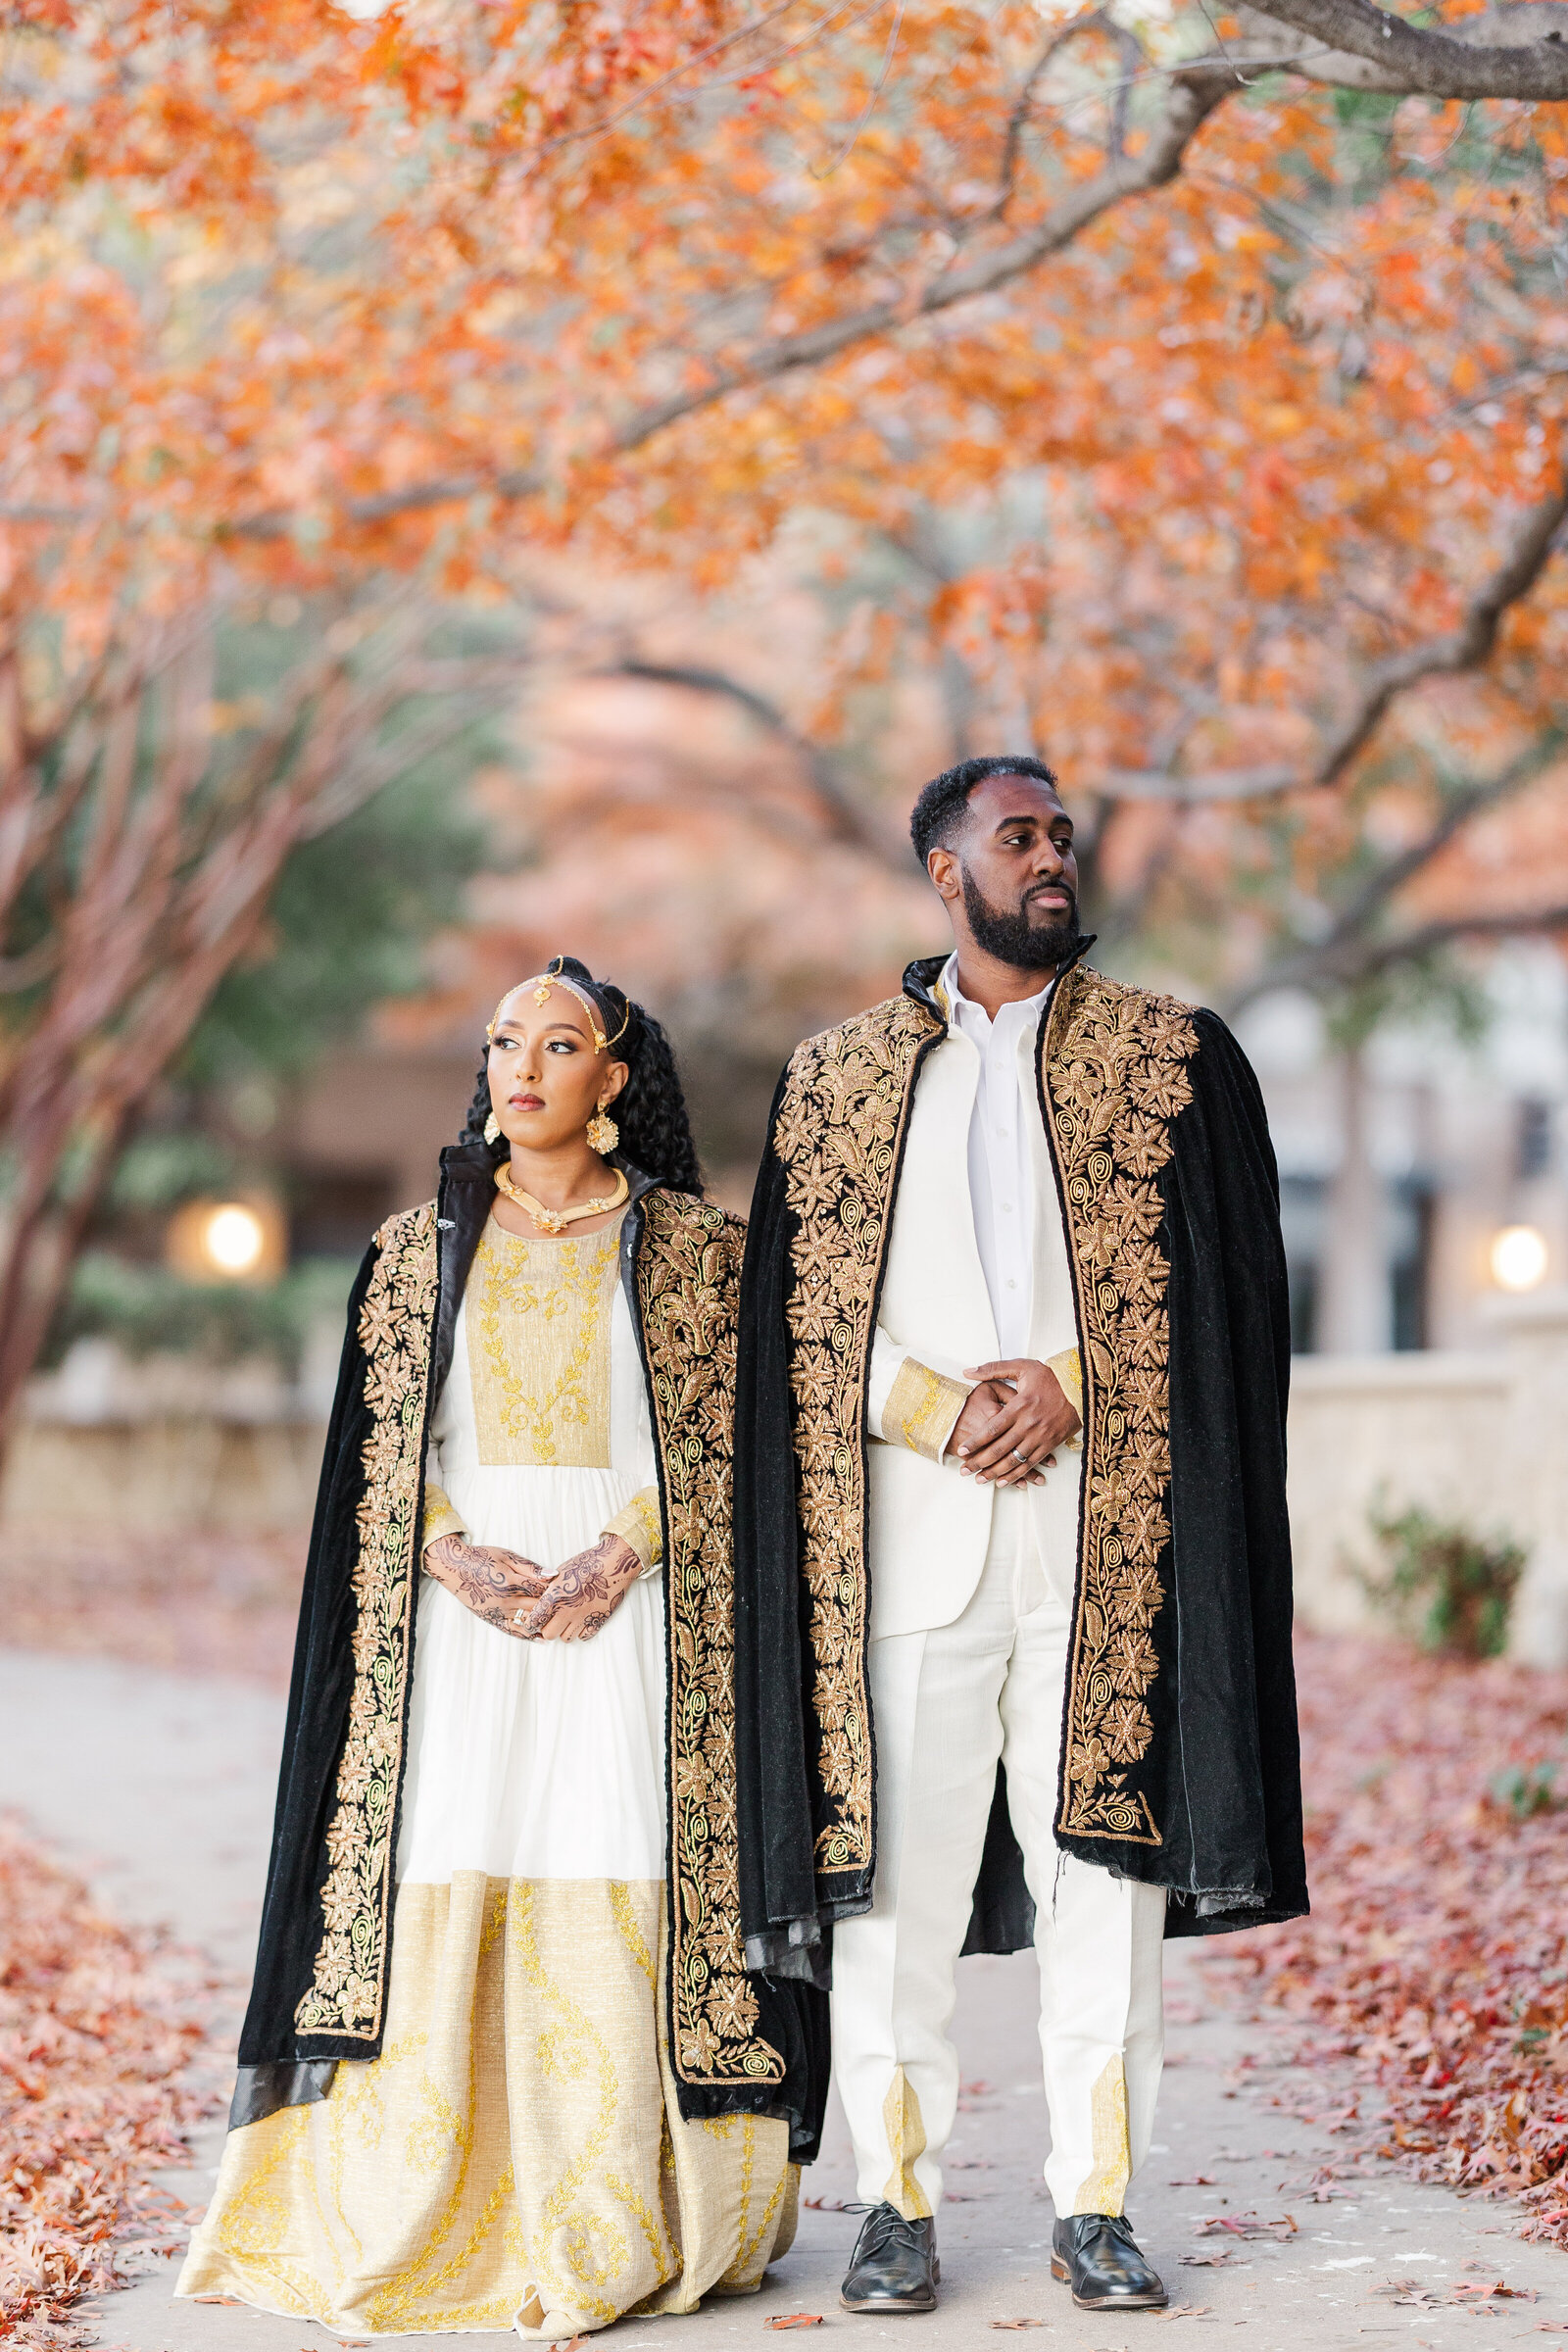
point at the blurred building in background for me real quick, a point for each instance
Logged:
(1424, 1178)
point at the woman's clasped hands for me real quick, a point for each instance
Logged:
(517, 1597)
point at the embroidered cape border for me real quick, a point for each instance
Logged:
(348, 1989)
(838, 1134)
(1113, 1072)
(688, 1281)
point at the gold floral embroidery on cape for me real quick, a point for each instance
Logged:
(838, 1133)
(688, 1277)
(348, 1992)
(1115, 1078)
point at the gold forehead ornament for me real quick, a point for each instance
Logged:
(542, 983)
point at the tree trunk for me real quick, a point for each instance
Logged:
(37, 1253)
(1354, 1292)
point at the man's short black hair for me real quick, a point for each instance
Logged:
(940, 810)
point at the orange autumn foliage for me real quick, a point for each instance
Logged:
(1193, 413)
(290, 292)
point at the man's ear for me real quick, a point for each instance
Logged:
(943, 868)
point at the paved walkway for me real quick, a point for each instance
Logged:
(162, 1791)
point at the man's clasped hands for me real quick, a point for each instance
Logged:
(1014, 1418)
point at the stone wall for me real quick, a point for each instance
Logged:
(1375, 1431)
(193, 1473)
(1479, 1438)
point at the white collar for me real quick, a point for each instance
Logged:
(962, 1011)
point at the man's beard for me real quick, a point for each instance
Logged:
(1007, 934)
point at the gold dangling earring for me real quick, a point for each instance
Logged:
(492, 1129)
(603, 1133)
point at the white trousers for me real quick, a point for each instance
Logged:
(948, 1703)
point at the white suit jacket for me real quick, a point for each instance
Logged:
(929, 1527)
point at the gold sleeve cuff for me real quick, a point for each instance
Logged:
(1069, 1371)
(638, 1524)
(440, 1519)
(921, 1408)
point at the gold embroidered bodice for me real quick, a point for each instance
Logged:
(538, 1328)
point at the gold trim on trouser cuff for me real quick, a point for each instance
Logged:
(638, 1524)
(921, 1408)
(1069, 1371)
(440, 1519)
(1105, 2189)
(905, 2127)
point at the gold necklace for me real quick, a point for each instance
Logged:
(551, 1220)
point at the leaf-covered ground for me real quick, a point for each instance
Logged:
(194, 1603)
(98, 2024)
(1433, 1968)
(1435, 1959)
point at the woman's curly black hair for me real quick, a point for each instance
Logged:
(655, 1133)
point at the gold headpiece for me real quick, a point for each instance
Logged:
(554, 977)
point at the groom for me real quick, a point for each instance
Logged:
(1012, 1576)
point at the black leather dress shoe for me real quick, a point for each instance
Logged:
(1096, 2253)
(894, 2266)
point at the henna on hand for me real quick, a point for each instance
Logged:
(584, 1593)
(487, 1578)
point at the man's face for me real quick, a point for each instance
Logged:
(1014, 869)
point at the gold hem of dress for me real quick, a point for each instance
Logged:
(515, 2158)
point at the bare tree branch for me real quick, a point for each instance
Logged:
(1226, 784)
(1134, 60)
(1463, 648)
(845, 822)
(1350, 950)
(1524, 57)
(1379, 956)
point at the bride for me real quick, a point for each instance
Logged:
(503, 2064)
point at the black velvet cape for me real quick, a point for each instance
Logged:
(1180, 1761)
(738, 2042)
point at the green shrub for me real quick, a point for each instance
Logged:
(1524, 1789)
(148, 1310)
(1442, 1583)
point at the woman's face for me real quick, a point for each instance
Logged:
(546, 1076)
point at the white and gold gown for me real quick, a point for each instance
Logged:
(517, 2157)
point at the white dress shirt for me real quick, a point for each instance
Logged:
(1001, 1176)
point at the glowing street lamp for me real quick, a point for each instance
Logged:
(226, 1241)
(1518, 1258)
(233, 1240)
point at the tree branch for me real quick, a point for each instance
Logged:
(1519, 60)
(845, 822)
(1346, 954)
(1464, 648)
(1194, 92)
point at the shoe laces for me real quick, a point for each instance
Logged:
(885, 2222)
(1110, 2224)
